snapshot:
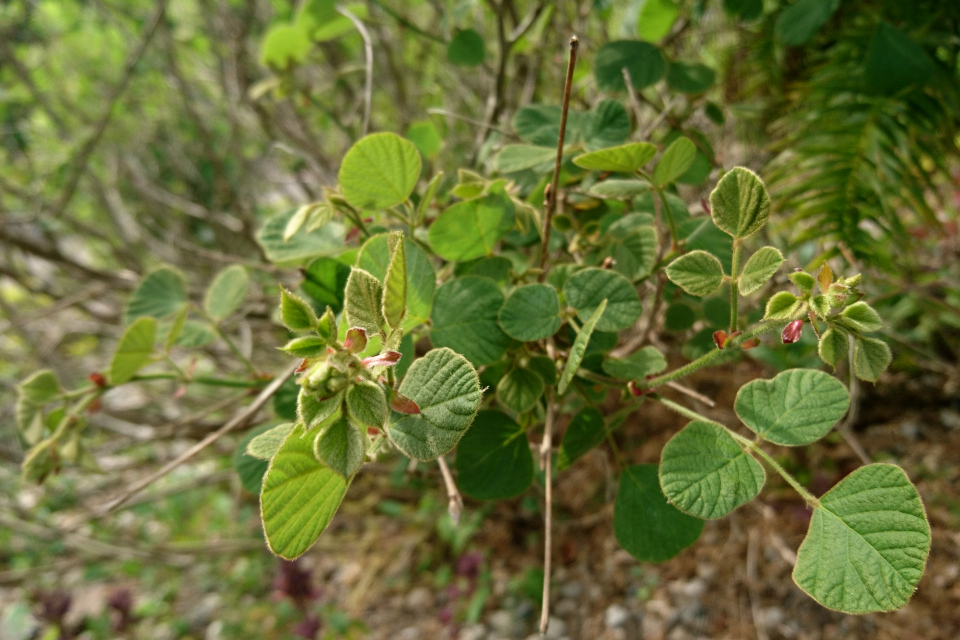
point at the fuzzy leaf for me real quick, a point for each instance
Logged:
(585, 431)
(759, 268)
(362, 305)
(530, 313)
(395, 283)
(871, 357)
(782, 306)
(341, 445)
(367, 404)
(698, 273)
(579, 348)
(161, 294)
(266, 444)
(493, 458)
(464, 318)
(305, 347)
(862, 317)
(227, 292)
(472, 228)
(520, 389)
(620, 188)
(740, 204)
(295, 313)
(803, 281)
(379, 171)
(675, 161)
(586, 289)
(421, 279)
(313, 411)
(625, 158)
(833, 346)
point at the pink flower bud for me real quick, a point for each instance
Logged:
(719, 338)
(386, 359)
(356, 340)
(791, 332)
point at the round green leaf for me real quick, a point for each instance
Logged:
(324, 241)
(466, 49)
(633, 248)
(520, 389)
(374, 257)
(606, 125)
(679, 317)
(425, 137)
(531, 313)
(833, 346)
(862, 317)
(759, 268)
(643, 62)
(161, 294)
(465, 319)
(704, 472)
(871, 357)
(496, 268)
(740, 204)
(545, 368)
(783, 305)
(698, 273)
(324, 281)
(626, 158)
(251, 469)
(687, 77)
(646, 525)
(379, 171)
(586, 289)
(299, 497)
(493, 458)
(284, 45)
(867, 544)
(675, 161)
(447, 389)
(797, 407)
(134, 351)
(472, 228)
(367, 404)
(227, 292)
(656, 19)
(518, 157)
(585, 431)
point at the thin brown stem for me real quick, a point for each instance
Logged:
(546, 463)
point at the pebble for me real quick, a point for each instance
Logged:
(566, 607)
(470, 632)
(910, 429)
(503, 622)
(770, 617)
(571, 590)
(556, 628)
(950, 418)
(615, 616)
(419, 599)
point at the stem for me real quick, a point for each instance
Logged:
(75, 411)
(455, 507)
(234, 349)
(734, 284)
(207, 380)
(546, 463)
(674, 238)
(550, 195)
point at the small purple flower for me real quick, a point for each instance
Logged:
(791, 332)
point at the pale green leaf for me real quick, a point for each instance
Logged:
(379, 171)
(674, 162)
(367, 404)
(295, 313)
(833, 346)
(656, 19)
(161, 294)
(362, 303)
(227, 292)
(33, 394)
(518, 157)
(619, 188)
(284, 45)
(471, 229)
(531, 312)
(637, 365)
(265, 444)
(464, 318)
(862, 317)
(698, 273)
(305, 347)
(374, 257)
(176, 329)
(395, 282)
(325, 241)
(579, 348)
(493, 458)
(871, 357)
(341, 445)
(587, 289)
(740, 204)
(759, 268)
(312, 410)
(625, 158)
(134, 351)
(585, 431)
(520, 389)
(783, 305)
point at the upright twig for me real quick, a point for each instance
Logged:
(455, 507)
(368, 55)
(546, 463)
(550, 195)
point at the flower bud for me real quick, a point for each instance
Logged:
(791, 332)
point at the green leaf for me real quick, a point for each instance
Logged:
(894, 61)
(520, 389)
(176, 329)
(698, 273)
(227, 292)
(626, 158)
(797, 407)
(704, 472)
(341, 446)
(325, 241)
(746, 10)
(493, 458)
(324, 281)
(656, 19)
(539, 124)
(264, 442)
(295, 313)
(692, 78)
(782, 306)
(161, 294)
(447, 389)
(134, 351)
(619, 188)
(362, 304)
(643, 61)
(800, 21)
(637, 365)
(299, 497)
(316, 214)
(675, 161)
(871, 357)
(284, 45)
(531, 312)
(367, 404)
(862, 317)
(466, 49)
(305, 347)
(833, 346)
(607, 125)
(820, 306)
(425, 137)
(312, 411)
(867, 544)
(579, 348)
(587, 289)
(646, 525)
(33, 394)
(633, 248)
(496, 268)
(740, 204)
(519, 157)
(323, 30)
(395, 282)
(585, 431)
(545, 368)
(759, 268)
(374, 257)
(803, 281)
(465, 319)
(679, 317)
(379, 171)
(472, 228)
(196, 334)
(251, 468)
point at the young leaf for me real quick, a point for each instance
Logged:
(833, 346)
(803, 281)
(299, 497)
(782, 306)
(313, 411)
(579, 348)
(395, 283)
(646, 525)
(871, 357)
(305, 347)
(820, 306)
(465, 319)
(161, 294)
(134, 351)
(226, 293)
(867, 544)
(704, 472)
(367, 404)
(472, 228)
(740, 204)
(626, 158)
(341, 446)
(587, 289)
(446, 388)
(374, 257)
(674, 162)
(295, 313)
(862, 317)
(520, 389)
(33, 394)
(519, 157)
(759, 268)
(493, 458)
(265, 444)
(530, 313)
(698, 273)
(637, 365)
(379, 171)
(797, 407)
(585, 431)
(362, 305)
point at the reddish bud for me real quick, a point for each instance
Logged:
(356, 340)
(720, 338)
(635, 390)
(750, 344)
(97, 379)
(95, 406)
(303, 366)
(791, 332)
(403, 404)
(608, 263)
(385, 359)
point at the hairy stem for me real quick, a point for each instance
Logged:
(734, 284)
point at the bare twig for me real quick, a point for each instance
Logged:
(67, 301)
(634, 103)
(474, 121)
(368, 55)
(693, 394)
(455, 508)
(546, 463)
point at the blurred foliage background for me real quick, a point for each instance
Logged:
(138, 133)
